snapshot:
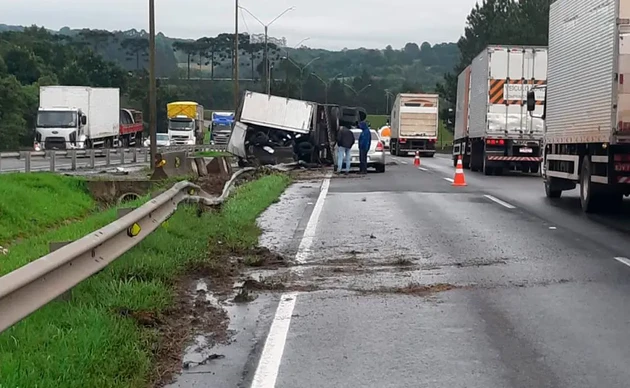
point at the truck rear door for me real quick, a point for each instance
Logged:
(418, 117)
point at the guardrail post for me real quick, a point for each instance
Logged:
(73, 158)
(53, 160)
(146, 156)
(0, 162)
(108, 157)
(92, 158)
(135, 155)
(122, 156)
(27, 161)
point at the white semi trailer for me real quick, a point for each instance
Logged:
(587, 110)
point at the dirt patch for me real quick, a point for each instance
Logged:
(174, 327)
(212, 184)
(414, 289)
(263, 258)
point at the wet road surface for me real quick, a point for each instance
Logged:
(402, 280)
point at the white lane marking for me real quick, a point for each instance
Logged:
(449, 179)
(423, 169)
(304, 249)
(271, 357)
(623, 260)
(500, 202)
(269, 363)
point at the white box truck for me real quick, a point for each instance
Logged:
(501, 135)
(414, 124)
(587, 110)
(461, 145)
(71, 117)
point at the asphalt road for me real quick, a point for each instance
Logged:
(405, 281)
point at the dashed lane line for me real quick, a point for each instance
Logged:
(623, 260)
(449, 179)
(500, 202)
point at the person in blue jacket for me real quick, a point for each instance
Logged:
(365, 140)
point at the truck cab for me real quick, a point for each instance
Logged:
(59, 128)
(221, 127)
(181, 130)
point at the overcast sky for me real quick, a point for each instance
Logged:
(332, 24)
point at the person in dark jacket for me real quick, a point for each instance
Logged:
(365, 140)
(345, 141)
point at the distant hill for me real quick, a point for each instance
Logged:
(422, 66)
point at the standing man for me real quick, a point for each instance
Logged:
(345, 141)
(365, 140)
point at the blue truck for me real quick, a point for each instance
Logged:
(221, 127)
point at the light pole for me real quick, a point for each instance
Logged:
(301, 68)
(326, 84)
(152, 86)
(360, 91)
(266, 54)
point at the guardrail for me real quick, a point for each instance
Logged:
(29, 161)
(34, 285)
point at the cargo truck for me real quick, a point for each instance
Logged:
(185, 123)
(414, 124)
(461, 143)
(587, 104)
(221, 127)
(501, 135)
(76, 117)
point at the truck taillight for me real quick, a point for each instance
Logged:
(432, 140)
(499, 142)
(401, 140)
(379, 146)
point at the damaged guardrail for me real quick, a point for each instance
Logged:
(34, 285)
(71, 160)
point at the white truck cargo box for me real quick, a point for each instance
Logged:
(277, 112)
(463, 101)
(589, 50)
(500, 79)
(103, 117)
(417, 115)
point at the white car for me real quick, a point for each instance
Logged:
(376, 153)
(162, 140)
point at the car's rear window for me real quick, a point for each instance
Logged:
(358, 133)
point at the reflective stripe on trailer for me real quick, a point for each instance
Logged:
(515, 158)
(623, 179)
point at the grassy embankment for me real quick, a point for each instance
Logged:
(211, 154)
(86, 342)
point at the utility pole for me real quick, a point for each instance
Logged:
(152, 85)
(235, 56)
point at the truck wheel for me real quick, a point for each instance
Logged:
(590, 198)
(454, 161)
(535, 169)
(550, 191)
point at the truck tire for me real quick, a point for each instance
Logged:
(486, 169)
(590, 197)
(550, 190)
(454, 161)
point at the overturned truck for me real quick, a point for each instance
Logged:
(272, 130)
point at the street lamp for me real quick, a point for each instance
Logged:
(301, 68)
(266, 27)
(326, 84)
(360, 91)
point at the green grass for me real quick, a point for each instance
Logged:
(377, 121)
(211, 154)
(32, 203)
(85, 342)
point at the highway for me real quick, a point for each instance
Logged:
(402, 280)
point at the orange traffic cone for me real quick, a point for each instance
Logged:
(459, 179)
(416, 160)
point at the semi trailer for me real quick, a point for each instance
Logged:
(587, 103)
(414, 124)
(493, 131)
